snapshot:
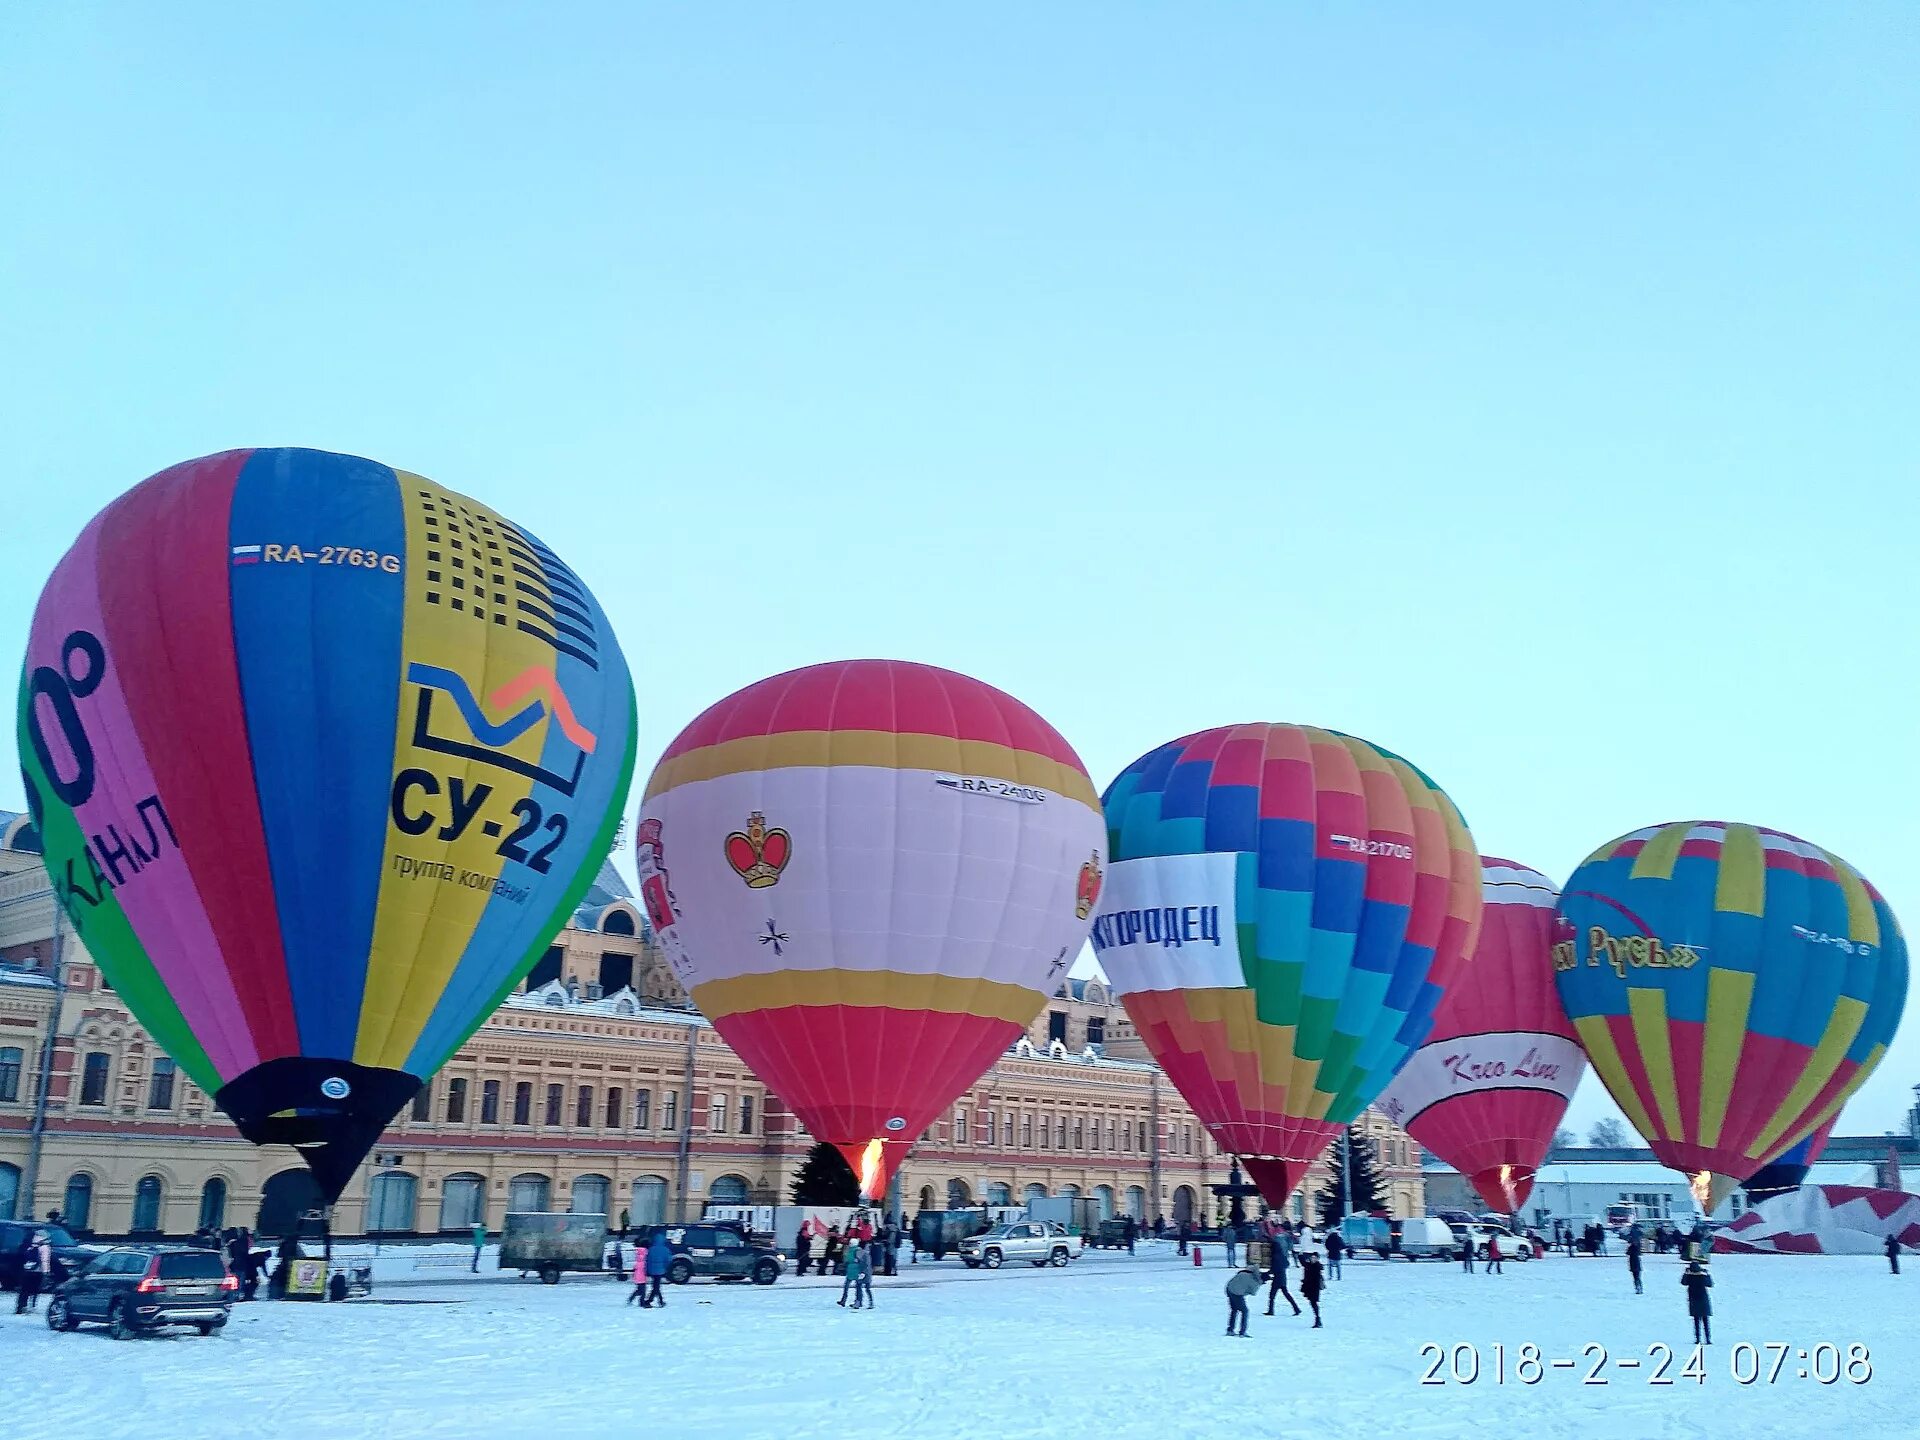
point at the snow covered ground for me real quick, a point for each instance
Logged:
(1114, 1346)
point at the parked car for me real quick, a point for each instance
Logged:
(720, 1252)
(1512, 1247)
(68, 1253)
(1032, 1240)
(1112, 1235)
(1427, 1236)
(1367, 1232)
(135, 1290)
(1456, 1217)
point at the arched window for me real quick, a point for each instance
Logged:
(463, 1201)
(391, 1198)
(528, 1194)
(76, 1207)
(1137, 1202)
(618, 922)
(1069, 1192)
(926, 1197)
(728, 1190)
(590, 1195)
(146, 1205)
(1103, 1202)
(9, 1190)
(1033, 1193)
(999, 1194)
(649, 1200)
(213, 1204)
(959, 1196)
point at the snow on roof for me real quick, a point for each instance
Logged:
(623, 1004)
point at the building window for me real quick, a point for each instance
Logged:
(1006, 1131)
(160, 1085)
(1046, 1130)
(642, 1109)
(93, 1079)
(717, 1115)
(1143, 1135)
(670, 1112)
(960, 1127)
(456, 1101)
(1096, 1031)
(423, 1102)
(1057, 1026)
(489, 1102)
(146, 1205)
(1109, 1132)
(546, 969)
(1026, 1130)
(76, 1207)
(213, 1204)
(1079, 1133)
(583, 1108)
(10, 1058)
(391, 1198)
(556, 1097)
(616, 1106)
(1186, 1139)
(523, 1103)
(746, 1114)
(1061, 1131)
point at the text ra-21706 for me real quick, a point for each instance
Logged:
(1771, 1363)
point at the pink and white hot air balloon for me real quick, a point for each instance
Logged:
(1490, 1086)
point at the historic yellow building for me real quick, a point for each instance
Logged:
(595, 1088)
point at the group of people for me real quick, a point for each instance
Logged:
(246, 1264)
(878, 1247)
(39, 1270)
(1289, 1243)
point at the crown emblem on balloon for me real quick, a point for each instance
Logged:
(758, 854)
(1088, 891)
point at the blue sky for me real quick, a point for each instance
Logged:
(1527, 388)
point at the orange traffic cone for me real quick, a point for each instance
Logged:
(1196, 1257)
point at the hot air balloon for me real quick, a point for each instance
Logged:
(1283, 910)
(1731, 985)
(1788, 1170)
(322, 755)
(869, 875)
(1490, 1086)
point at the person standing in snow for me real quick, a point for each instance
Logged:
(1494, 1266)
(1466, 1252)
(639, 1276)
(830, 1250)
(36, 1270)
(1633, 1262)
(803, 1247)
(1186, 1229)
(1336, 1250)
(1230, 1237)
(1281, 1256)
(479, 1244)
(860, 1267)
(1312, 1283)
(1132, 1229)
(659, 1256)
(1699, 1303)
(1240, 1285)
(1893, 1253)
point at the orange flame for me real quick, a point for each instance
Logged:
(1701, 1183)
(870, 1159)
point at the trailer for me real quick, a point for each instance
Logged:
(549, 1244)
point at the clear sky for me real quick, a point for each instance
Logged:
(1529, 388)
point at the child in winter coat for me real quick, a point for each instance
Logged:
(1699, 1303)
(639, 1274)
(1312, 1282)
(1242, 1283)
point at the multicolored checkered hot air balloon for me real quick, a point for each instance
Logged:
(1732, 985)
(869, 875)
(322, 755)
(1284, 908)
(1488, 1089)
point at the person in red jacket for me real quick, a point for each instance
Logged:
(1493, 1255)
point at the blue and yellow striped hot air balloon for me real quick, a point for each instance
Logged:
(1732, 985)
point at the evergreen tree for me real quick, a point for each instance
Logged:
(825, 1178)
(1364, 1181)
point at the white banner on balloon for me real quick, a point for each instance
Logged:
(1166, 922)
(1471, 1064)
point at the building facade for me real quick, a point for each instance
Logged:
(594, 1088)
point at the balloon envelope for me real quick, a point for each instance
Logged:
(1731, 985)
(1788, 1170)
(1490, 1086)
(322, 754)
(1282, 914)
(869, 875)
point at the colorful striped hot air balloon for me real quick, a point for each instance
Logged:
(1488, 1089)
(1731, 985)
(322, 755)
(1284, 908)
(869, 875)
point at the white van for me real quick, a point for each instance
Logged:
(1426, 1236)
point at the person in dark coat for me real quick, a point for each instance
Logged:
(1130, 1228)
(1633, 1262)
(830, 1250)
(1336, 1251)
(659, 1256)
(1312, 1282)
(1893, 1252)
(1281, 1258)
(36, 1273)
(1699, 1303)
(1186, 1229)
(1466, 1253)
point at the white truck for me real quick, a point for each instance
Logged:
(1037, 1241)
